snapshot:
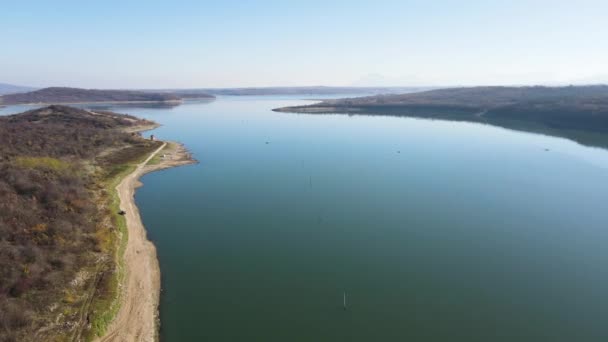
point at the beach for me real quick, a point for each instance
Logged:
(137, 318)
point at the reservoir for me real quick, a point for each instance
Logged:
(427, 230)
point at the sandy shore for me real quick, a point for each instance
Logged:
(137, 318)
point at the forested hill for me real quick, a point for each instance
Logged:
(573, 107)
(56, 95)
(59, 226)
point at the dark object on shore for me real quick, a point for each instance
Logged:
(122, 212)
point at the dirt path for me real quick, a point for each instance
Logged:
(137, 317)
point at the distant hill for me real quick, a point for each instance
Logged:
(575, 107)
(579, 113)
(12, 89)
(75, 95)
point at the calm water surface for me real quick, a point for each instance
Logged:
(436, 230)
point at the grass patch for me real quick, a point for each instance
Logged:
(41, 163)
(105, 305)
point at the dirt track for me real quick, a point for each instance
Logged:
(137, 317)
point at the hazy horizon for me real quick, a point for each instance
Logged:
(425, 87)
(227, 44)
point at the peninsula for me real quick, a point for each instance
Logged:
(74, 256)
(554, 110)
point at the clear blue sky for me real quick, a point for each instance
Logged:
(162, 44)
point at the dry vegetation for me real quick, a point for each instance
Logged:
(59, 231)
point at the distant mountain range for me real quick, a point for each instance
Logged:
(12, 89)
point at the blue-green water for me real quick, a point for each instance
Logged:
(436, 230)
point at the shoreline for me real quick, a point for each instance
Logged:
(142, 128)
(137, 317)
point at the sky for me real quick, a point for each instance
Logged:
(198, 44)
